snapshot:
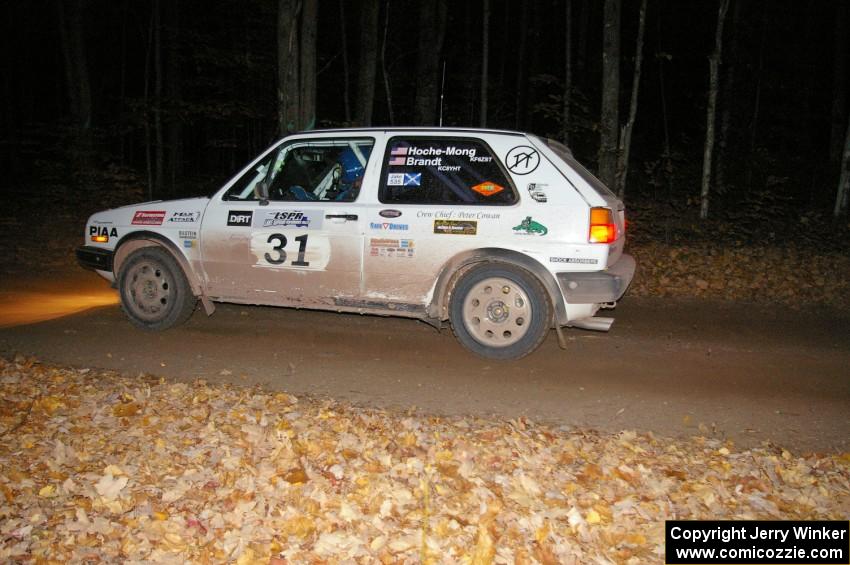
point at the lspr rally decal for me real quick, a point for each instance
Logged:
(293, 249)
(306, 219)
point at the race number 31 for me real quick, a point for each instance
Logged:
(278, 257)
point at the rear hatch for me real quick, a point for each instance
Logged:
(609, 199)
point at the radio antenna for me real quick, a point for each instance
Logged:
(442, 91)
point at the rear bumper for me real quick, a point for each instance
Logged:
(598, 286)
(94, 258)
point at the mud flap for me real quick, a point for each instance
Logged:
(209, 307)
(562, 341)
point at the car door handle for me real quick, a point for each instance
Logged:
(342, 216)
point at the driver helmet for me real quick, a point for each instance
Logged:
(351, 168)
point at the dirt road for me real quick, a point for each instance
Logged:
(674, 368)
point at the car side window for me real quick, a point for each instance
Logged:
(458, 171)
(317, 170)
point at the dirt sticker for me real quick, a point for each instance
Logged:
(239, 218)
(456, 227)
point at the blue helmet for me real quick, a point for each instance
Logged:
(352, 169)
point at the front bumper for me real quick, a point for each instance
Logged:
(94, 258)
(598, 286)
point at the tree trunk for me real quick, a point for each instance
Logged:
(507, 48)
(387, 90)
(713, 68)
(309, 22)
(368, 62)
(610, 121)
(174, 139)
(568, 72)
(485, 62)
(841, 197)
(288, 87)
(626, 137)
(839, 82)
(346, 95)
(726, 101)
(159, 146)
(147, 82)
(78, 86)
(432, 27)
(122, 88)
(757, 99)
(521, 70)
(583, 22)
(666, 157)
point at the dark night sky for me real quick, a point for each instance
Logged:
(225, 55)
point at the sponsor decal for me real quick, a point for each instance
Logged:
(188, 243)
(456, 227)
(103, 231)
(458, 215)
(384, 247)
(536, 190)
(390, 213)
(187, 234)
(488, 188)
(388, 226)
(413, 156)
(404, 179)
(522, 159)
(576, 260)
(530, 227)
(185, 217)
(311, 219)
(148, 218)
(239, 218)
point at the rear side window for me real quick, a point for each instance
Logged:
(458, 171)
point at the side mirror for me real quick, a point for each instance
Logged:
(261, 191)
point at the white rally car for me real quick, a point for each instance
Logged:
(503, 234)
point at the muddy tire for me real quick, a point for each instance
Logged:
(499, 311)
(154, 291)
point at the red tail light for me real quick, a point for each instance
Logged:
(602, 226)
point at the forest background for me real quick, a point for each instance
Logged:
(722, 123)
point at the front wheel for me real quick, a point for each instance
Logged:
(155, 294)
(499, 311)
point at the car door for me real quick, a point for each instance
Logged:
(288, 231)
(440, 194)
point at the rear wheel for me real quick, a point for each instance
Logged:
(499, 311)
(155, 294)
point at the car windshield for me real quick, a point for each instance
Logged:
(566, 156)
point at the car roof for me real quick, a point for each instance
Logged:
(419, 129)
